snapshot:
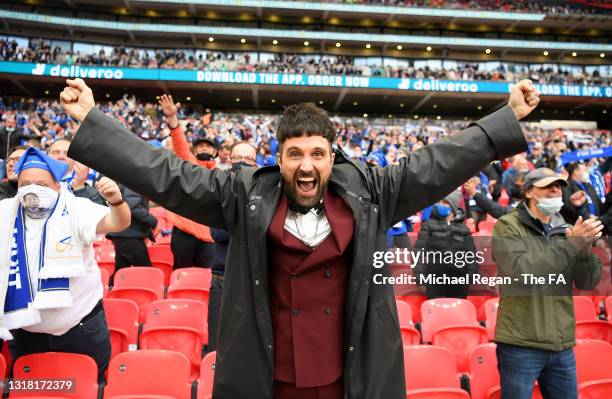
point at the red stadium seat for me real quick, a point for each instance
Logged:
(460, 340)
(444, 312)
(122, 318)
(491, 316)
(3, 367)
(148, 374)
(162, 259)
(142, 285)
(431, 373)
(105, 257)
(105, 277)
(178, 325)
(504, 199)
(479, 303)
(162, 217)
(594, 329)
(8, 360)
(484, 375)
(80, 369)
(593, 359)
(608, 305)
(415, 301)
(190, 283)
(410, 335)
(584, 309)
(207, 376)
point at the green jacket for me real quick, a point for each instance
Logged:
(531, 315)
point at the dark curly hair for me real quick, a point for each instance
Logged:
(305, 119)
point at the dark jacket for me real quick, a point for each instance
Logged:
(570, 212)
(8, 190)
(493, 208)
(9, 140)
(494, 172)
(539, 316)
(244, 203)
(221, 238)
(142, 223)
(436, 235)
(90, 193)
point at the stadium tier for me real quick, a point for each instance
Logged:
(333, 199)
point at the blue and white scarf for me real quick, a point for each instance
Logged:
(59, 259)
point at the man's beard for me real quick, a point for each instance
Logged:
(291, 189)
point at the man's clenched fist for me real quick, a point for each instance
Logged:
(77, 99)
(523, 98)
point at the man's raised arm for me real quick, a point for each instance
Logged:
(432, 172)
(106, 146)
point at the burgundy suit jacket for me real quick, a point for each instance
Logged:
(308, 289)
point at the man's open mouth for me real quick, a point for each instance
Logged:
(307, 186)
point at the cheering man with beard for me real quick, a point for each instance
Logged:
(301, 316)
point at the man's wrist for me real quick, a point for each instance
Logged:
(116, 203)
(173, 122)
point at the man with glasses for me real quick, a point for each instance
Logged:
(8, 189)
(77, 174)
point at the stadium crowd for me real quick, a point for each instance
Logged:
(40, 51)
(547, 7)
(213, 140)
(44, 121)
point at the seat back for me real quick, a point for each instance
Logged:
(178, 325)
(415, 301)
(105, 279)
(594, 329)
(429, 367)
(483, 371)
(608, 305)
(584, 309)
(190, 283)
(177, 313)
(79, 371)
(207, 376)
(162, 258)
(410, 335)
(593, 359)
(142, 285)
(479, 302)
(441, 312)
(460, 340)
(122, 318)
(404, 313)
(149, 374)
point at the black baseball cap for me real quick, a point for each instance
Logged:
(205, 140)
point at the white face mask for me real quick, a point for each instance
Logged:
(38, 201)
(550, 206)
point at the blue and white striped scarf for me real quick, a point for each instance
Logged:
(59, 259)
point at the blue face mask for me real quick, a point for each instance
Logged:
(443, 210)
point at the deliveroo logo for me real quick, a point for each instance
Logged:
(39, 69)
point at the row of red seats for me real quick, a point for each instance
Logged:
(144, 285)
(430, 374)
(160, 254)
(453, 324)
(150, 374)
(436, 375)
